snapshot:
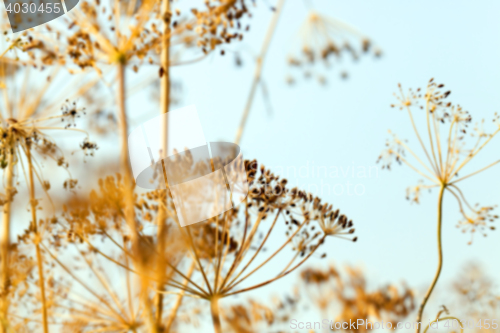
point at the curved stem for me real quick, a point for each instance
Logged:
(445, 318)
(440, 258)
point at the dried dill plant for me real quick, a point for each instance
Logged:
(207, 261)
(257, 316)
(92, 246)
(446, 153)
(115, 35)
(110, 31)
(329, 289)
(27, 119)
(320, 39)
(112, 234)
(110, 35)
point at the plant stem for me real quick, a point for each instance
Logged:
(165, 58)
(129, 196)
(39, 258)
(164, 107)
(127, 172)
(440, 258)
(214, 310)
(258, 69)
(5, 240)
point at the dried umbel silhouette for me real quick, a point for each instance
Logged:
(27, 121)
(211, 260)
(320, 39)
(98, 33)
(116, 36)
(332, 294)
(446, 152)
(254, 316)
(329, 289)
(117, 260)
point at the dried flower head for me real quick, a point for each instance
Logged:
(28, 118)
(208, 260)
(323, 40)
(446, 152)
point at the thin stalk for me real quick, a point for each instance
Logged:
(280, 275)
(414, 168)
(214, 310)
(5, 239)
(39, 258)
(461, 195)
(431, 142)
(200, 267)
(460, 206)
(221, 256)
(105, 284)
(416, 156)
(476, 172)
(168, 264)
(259, 248)
(420, 139)
(234, 283)
(438, 143)
(237, 256)
(217, 255)
(474, 153)
(450, 147)
(112, 312)
(129, 193)
(440, 258)
(164, 107)
(258, 69)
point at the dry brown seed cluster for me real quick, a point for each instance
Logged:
(214, 23)
(323, 40)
